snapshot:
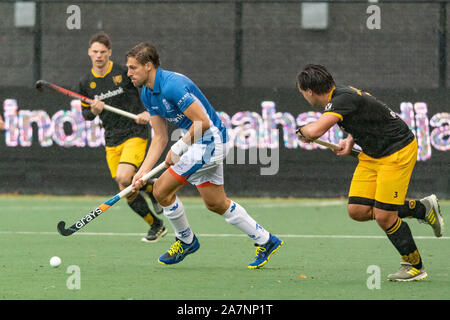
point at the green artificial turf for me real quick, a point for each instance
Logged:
(326, 255)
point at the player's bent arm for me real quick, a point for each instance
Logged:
(91, 111)
(157, 146)
(85, 108)
(316, 129)
(200, 123)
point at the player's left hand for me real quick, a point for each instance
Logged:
(97, 106)
(143, 118)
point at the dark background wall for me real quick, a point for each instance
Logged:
(232, 43)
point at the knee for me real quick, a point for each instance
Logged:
(158, 194)
(123, 180)
(213, 206)
(217, 206)
(359, 212)
(164, 199)
(385, 219)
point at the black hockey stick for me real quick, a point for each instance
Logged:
(104, 206)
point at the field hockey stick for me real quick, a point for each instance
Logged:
(40, 84)
(104, 206)
(332, 146)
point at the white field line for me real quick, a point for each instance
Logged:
(218, 235)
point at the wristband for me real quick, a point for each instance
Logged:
(299, 132)
(179, 147)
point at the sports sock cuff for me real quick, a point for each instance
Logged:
(149, 219)
(237, 216)
(413, 258)
(413, 209)
(232, 215)
(175, 210)
(147, 188)
(392, 229)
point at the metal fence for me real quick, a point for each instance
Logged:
(234, 43)
(240, 53)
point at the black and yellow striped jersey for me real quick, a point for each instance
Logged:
(116, 90)
(377, 129)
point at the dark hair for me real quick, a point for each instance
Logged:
(315, 77)
(144, 52)
(102, 38)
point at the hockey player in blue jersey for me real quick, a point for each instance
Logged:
(197, 158)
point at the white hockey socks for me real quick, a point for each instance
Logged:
(177, 217)
(238, 217)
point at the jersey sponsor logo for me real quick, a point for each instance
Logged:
(186, 96)
(393, 114)
(92, 85)
(177, 119)
(167, 105)
(109, 94)
(328, 106)
(117, 79)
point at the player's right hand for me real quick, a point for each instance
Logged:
(97, 106)
(344, 147)
(171, 159)
(137, 182)
(143, 118)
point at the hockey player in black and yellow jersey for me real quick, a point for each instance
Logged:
(126, 139)
(381, 178)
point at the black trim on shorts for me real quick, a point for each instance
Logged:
(386, 206)
(130, 163)
(361, 200)
(373, 203)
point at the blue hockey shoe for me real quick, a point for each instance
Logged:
(178, 251)
(263, 252)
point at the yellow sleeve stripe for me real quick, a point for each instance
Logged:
(335, 114)
(85, 104)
